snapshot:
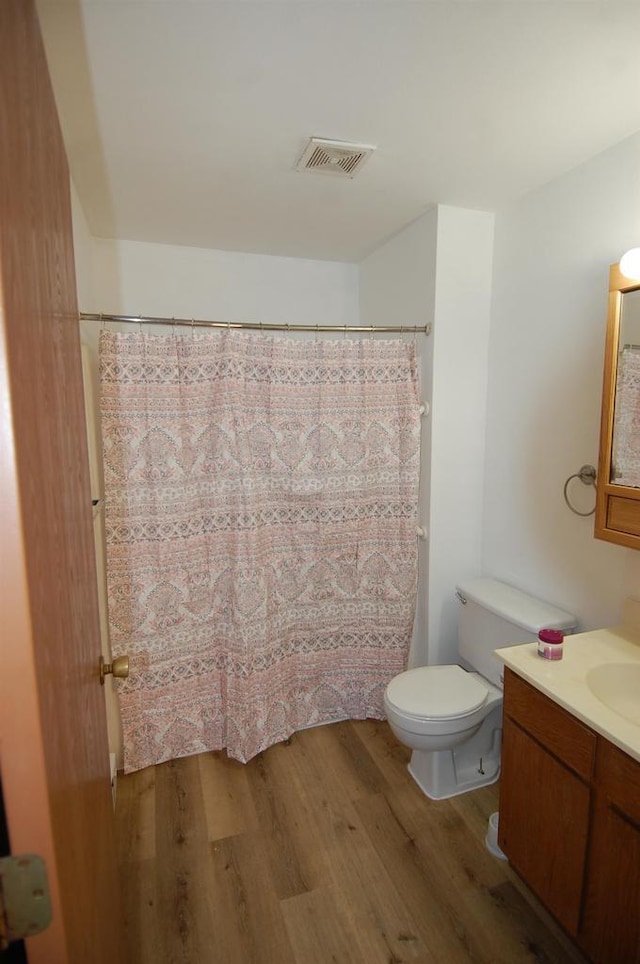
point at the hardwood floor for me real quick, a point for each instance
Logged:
(320, 850)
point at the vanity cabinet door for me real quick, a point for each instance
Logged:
(544, 818)
(610, 931)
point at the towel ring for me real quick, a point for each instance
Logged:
(587, 476)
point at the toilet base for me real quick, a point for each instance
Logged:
(441, 774)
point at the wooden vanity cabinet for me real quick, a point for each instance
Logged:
(611, 912)
(570, 822)
(547, 763)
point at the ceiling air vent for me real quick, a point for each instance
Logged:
(333, 157)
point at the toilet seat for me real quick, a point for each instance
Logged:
(436, 693)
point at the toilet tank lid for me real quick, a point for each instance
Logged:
(515, 606)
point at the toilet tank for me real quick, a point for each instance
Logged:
(492, 614)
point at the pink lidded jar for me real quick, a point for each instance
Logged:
(550, 643)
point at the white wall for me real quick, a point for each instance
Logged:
(460, 346)
(165, 280)
(552, 253)
(397, 287)
(416, 277)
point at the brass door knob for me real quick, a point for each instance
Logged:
(118, 668)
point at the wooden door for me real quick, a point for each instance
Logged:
(54, 762)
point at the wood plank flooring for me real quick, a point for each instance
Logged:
(319, 850)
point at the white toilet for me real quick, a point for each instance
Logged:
(451, 716)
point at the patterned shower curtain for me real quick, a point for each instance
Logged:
(261, 512)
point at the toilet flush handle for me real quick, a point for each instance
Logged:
(462, 598)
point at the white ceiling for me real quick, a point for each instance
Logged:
(184, 119)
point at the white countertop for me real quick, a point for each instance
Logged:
(564, 681)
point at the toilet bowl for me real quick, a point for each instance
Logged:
(438, 707)
(455, 737)
(451, 716)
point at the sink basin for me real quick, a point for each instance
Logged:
(617, 685)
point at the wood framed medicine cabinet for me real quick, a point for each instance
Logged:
(617, 517)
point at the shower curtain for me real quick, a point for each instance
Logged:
(261, 512)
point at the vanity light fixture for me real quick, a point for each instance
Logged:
(630, 264)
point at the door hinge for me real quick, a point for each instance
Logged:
(25, 906)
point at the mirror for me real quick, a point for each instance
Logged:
(625, 454)
(617, 517)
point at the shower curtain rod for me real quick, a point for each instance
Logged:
(255, 325)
